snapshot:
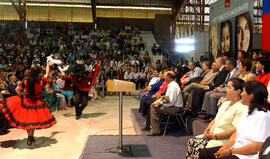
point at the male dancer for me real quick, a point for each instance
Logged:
(80, 83)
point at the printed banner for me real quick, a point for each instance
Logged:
(231, 27)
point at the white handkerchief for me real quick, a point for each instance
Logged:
(53, 61)
(63, 69)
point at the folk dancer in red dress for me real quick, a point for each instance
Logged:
(28, 111)
(81, 82)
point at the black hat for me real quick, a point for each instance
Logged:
(77, 69)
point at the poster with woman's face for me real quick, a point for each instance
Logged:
(213, 42)
(243, 24)
(226, 38)
(231, 28)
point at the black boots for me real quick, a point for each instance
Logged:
(30, 140)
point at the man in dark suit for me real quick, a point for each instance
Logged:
(198, 94)
(211, 97)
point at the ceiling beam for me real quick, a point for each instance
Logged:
(180, 4)
(17, 7)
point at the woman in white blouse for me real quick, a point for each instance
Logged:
(224, 123)
(253, 127)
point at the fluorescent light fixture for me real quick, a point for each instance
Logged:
(58, 5)
(89, 6)
(5, 3)
(129, 7)
(184, 49)
(185, 41)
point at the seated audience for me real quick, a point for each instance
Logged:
(149, 101)
(252, 130)
(142, 77)
(211, 97)
(3, 86)
(100, 86)
(244, 70)
(134, 77)
(141, 44)
(208, 77)
(224, 123)
(244, 67)
(263, 66)
(150, 93)
(193, 73)
(49, 96)
(153, 80)
(12, 85)
(61, 98)
(59, 87)
(198, 94)
(174, 103)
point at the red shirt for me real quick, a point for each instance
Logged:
(163, 87)
(264, 78)
(83, 84)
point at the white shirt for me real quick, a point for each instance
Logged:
(120, 63)
(195, 73)
(131, 75)
(253, 127)
(175, 95)
(153, 81)
(79, 61)
(127, 76)
(142, 75)
(221, 68)
(136, 75)
(232, 72)
(135, 61)
(112, 63)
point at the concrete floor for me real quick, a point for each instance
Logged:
(67, 138)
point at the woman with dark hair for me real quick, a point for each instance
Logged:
(224, 123)
(244, 70)
(263, 66)
(29, 112)
(244, 31)
(226, 37)
(179, 72)
(253, 127)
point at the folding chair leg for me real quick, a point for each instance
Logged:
(184, 123)
(179, 122)
(161, 117)
(166, 125)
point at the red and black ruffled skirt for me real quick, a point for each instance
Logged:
(24, 113)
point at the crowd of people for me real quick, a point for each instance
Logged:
(120, 51)
(230, 94)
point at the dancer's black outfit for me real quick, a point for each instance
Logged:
(80, 83)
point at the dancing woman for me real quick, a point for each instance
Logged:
(29, 111)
